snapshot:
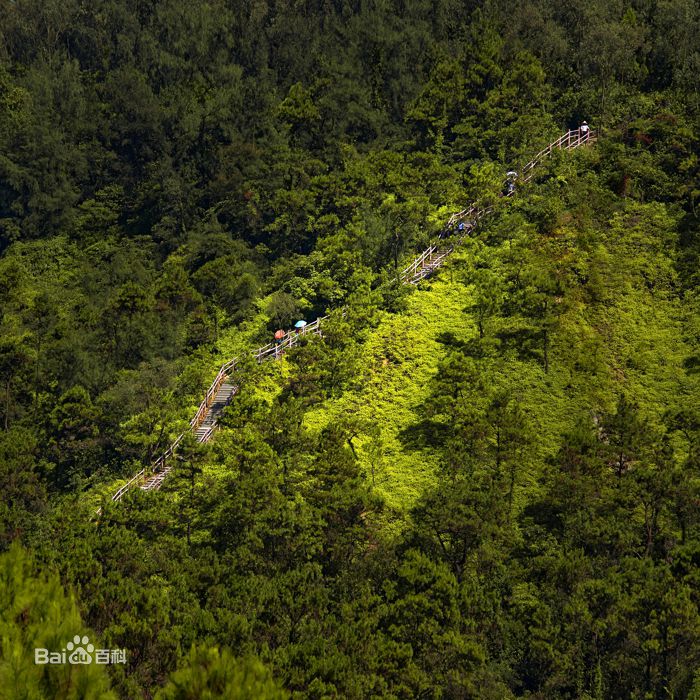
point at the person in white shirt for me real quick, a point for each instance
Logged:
(583, 131)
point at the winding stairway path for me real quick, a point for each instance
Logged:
(223, 389)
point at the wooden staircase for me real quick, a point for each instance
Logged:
(222, 399)
(202, 432)
(222, 390)
(463, 223)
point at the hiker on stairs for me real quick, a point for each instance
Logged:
(510, 184)
(279, 337)
(583, 132)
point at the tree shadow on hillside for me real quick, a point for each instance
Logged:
(475, 347)
(429, 432)
(425, 433)
(526, 342)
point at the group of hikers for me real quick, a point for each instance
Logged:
(280, 335)
(298, 328)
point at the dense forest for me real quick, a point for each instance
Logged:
(484, 487)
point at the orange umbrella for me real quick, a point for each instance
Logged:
(279, 335)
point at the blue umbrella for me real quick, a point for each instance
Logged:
(299, 324)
